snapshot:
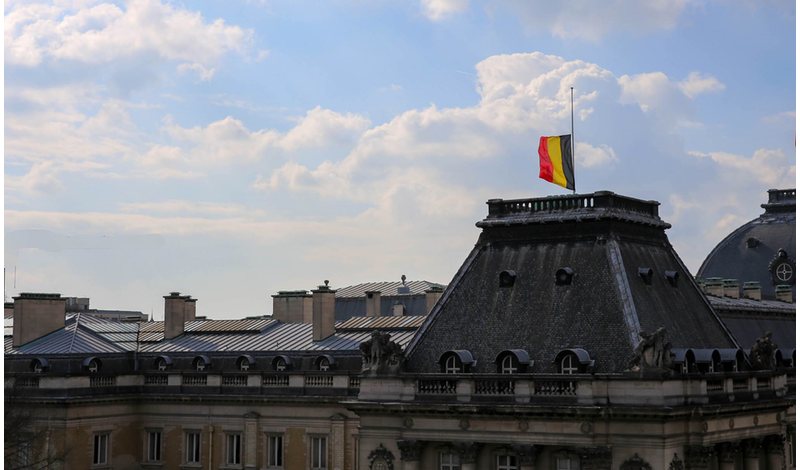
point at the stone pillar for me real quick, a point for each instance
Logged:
(751, 449)
(774, 448)
(409, 454)
(595, 458)
(527, 456)
(468, 451)
(697, 457)
(251, 441)
(337, 441)
(726, 456)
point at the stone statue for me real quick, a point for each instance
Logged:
(762, 354)
(381, 355)
(653, 352)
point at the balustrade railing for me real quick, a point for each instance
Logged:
(318, 381)
(152, 379)
(234, 380)
(27, 382)
(436, 386)
(275, 380)
(195, 380)
(554, 387)
(103, 381)
(354, 382)
(494, 387)
(607, 200)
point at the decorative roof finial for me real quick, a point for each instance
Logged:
(326, 282)
(403, 278)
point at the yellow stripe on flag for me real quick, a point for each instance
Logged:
(554, 150)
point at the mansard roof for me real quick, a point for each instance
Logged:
(618, 276)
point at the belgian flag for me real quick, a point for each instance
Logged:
(555, 160)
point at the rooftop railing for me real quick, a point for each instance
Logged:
(601, 200)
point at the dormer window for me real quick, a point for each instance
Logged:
(281, 363)
(163, 362)
(512, 361)
(92, 364)
(573, 361)
(456, 361)
(569, 364)
(39, 365)
(201, 363)
(324, 365)
(245, 362)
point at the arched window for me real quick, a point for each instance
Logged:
(452, 365)
(245, 362)
(324, 365)
(201, 363)
(507, 365)
(162, 362)
(281, 363)
(569, 364)
(39, 365)
(94, 366)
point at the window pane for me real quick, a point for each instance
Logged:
(154, 446)
(275, 451)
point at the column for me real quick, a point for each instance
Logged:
(251, 440)
(595, 458)
(337, 441)
(774, 448)
(469, 454)
(409, 454)
(527, 456)
(751, 449)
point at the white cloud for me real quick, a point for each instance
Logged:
(183, 207)
(592, 20)
(437, 10)
(323, 127)
(105, 32)
(589, 156)
(696, 84)
(769, 166)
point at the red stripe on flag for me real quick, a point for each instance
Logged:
(545, 162)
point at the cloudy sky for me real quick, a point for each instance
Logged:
(229, 150)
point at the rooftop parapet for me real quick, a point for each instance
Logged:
(780, 200)
(577, 207)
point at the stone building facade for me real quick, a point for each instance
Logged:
(572, 338)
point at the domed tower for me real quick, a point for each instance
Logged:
(761, 250)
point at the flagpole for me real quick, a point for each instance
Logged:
(572, 139)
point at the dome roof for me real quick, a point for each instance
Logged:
(761, 250)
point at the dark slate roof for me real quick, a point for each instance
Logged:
(749, 319)
(604, 239)
(351, 302)
(773, 230)
(386, 288)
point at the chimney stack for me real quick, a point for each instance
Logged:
(432, 296)
(190, 309)
(752, 290)
(713, 286)
(730, 288)
(292, 306)
(323, 312)
(373, 303)
(36, 315)
(175, 315)
(784, 293)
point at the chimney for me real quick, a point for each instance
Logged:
(398, 309)
(752, 290)
(36, 315)
(784, 293)
(432, 296)
(373, 303)
(190, 309)
(292, 306)
(174, 314)
(323, 312)
(730, 288)
(714, 287)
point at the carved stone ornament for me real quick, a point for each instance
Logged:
(408, 423)
(635, 463)
(468, 451)
(653, 353)
(409, 450)
(463, 423)
(762, 353)
(380, 355)
(381, 458)
(676, 463)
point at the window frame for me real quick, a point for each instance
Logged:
(275, 451)
(452, 364)
(572, 368)
(324, 364)
(233, 448)
(508, 465)
(150, 450)
(281, 365)
(192, 444)
(318, 454)
(508, 364)
(454, 462)
(100, 448)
